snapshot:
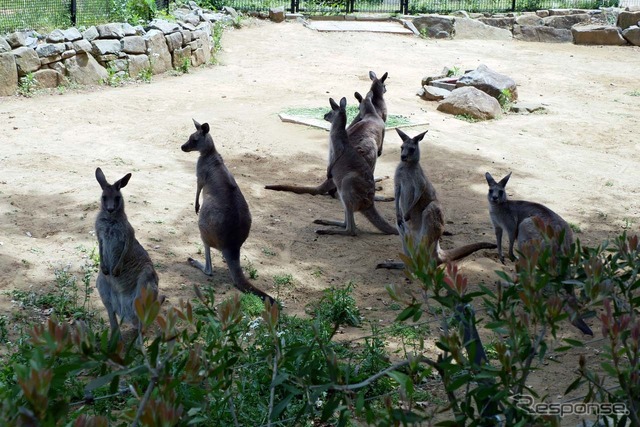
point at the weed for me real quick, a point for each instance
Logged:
(282, 280)
(628, 223)
(338, 307)
(250, 269)
(575, 227)
(633, 93)
(184, 66)
(317, 272)
(268, 252)
(454, 71)
(4, 333)
(505, 99)
(27, 85)
(145, 75)
(608, 184)
(467, 118)
(116, 77)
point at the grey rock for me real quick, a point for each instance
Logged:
(71, 34)
(432, 93)
(276, 14)
(8, 74)
(471, 102)
(90, 34)
(49, 59)
(158, 52)
(529, 19)
(59, 67)
(103, 59)
(128, 29)
(489, 81)
(106, 47)
(632, 35)
(55, 36)
(466, 29)
(230, 11)
(48, 78)
(192, 19)
(83, 69)
(213, 17)
(165, 27)
(461, 14)
(50, 49)
(186, 37)
(17, 39)
(197, 57)
(597, 35)
(118, 65)
(180, 55)
(627, 19)
(540, 33)
(566, 21)
(204, 43)
(110, 31)
(27, 60)
(133, 44)
(504, 23)
(205, 27)
(82, 45)
(559, 12)
(193, 45)
(174, 41)
(193, 5)
(434, 25)
(4, 46)
(137, 64)
(187, 26)
(68, 53)
(140, 31)
(524, 108)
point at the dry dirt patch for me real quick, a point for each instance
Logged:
(581, 159)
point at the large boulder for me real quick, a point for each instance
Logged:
(505, 23)
(8, 74)
(133, 44)
(137, 64)
(627, 19)
(48, 78)
(106, 47)
(470, 102)
(174, 41)
(83, 69)
(276, 14)
(55, 36)
(90, 34)
(432, 93)
(466, 28)
(529, 19)
(158, 51)
(27, 60)
(71, 34)
(110, 31)
(597, 35)
(540, 33)
(50, 49)
(180, 56)
(4, 46)
(435, 26)
(203, 42)
(165, 27)
(490, 82)
(632, 35)
(82, 45)
(566, 21)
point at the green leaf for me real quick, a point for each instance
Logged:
(574, 385)
(407, 312)
(574, 343)
(281, 406)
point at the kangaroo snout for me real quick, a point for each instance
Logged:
(185, 147)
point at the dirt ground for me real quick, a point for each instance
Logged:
(581, 159)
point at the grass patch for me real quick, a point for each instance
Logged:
(393, 120)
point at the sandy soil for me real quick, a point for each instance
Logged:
(581, 159)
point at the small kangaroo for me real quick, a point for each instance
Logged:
(352, 176)
(224, 219)
(518, 218)
(125, 266)
(418, 211)
(376, 97)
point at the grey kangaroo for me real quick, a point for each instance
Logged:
(518, 219)
(224, 218)
(419, 216)
(376, 98)
(352, 176)
(125, 267)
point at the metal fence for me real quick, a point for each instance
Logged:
(50, 14)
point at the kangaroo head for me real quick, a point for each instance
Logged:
(366, 104)
(377, 84)
(111, 196)
(200, 140)
(410, 150)
(337, 111)
(497, 193)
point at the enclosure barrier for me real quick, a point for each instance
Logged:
(46, 15)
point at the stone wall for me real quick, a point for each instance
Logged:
(611, 26)
(90, 56)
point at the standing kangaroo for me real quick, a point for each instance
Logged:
(125, 267)
(418, 211)
(352, 177)
(518, 218)
(376, 98)
(224, 218)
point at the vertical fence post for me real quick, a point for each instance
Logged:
(293, 6)
(513, 5)
(73, 10)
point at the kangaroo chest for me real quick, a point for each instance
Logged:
(112, 237)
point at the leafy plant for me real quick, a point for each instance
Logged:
(27, 85)
(337, 307)
(146, 75)
(184, 66)
(505, 99)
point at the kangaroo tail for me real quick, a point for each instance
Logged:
(232, 257)
(324, 188)
(380, 223)
(462, 251)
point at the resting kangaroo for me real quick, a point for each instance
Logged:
(352, 176)
(224, 219)
(418, 211)
(517, 218)
(376, 98)
(125, 267)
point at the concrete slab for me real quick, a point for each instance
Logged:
(370, 26)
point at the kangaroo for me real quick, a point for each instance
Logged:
(376, 97)
(352, 176)
(518, 218)
(125, 266)
(418, 211)
(224, 219)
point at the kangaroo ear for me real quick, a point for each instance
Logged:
(358, 96)
(372, 75)
(419, 137)
(402, 135)
(196, 123)
(205, 128)
(489, 179)
(101, 179)
(333, 104)
(384, 77)
(122, 182)
(503, 181)
(343, 103)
